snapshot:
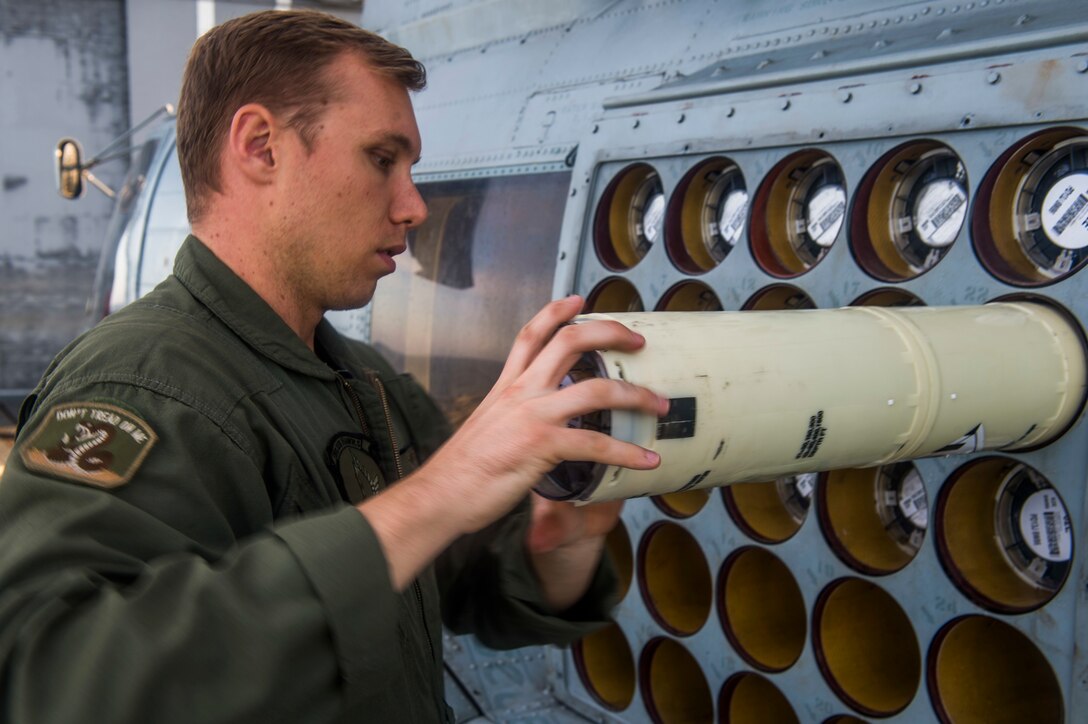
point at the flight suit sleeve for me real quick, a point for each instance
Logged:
(489, 589)
(487, 584)
(172, 597)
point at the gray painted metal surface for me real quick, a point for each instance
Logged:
(672, 84)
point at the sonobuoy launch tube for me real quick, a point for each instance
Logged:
(758, 395)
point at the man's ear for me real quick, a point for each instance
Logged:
(251, 142)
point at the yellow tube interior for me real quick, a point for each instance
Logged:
(764, 611)
(614, 295)
(852, 522)
(760, 511)
(691, 214)
(618, 545)
(675, 578)
(779, 296)
(966, 528)
(628, 184)
(685, 504)
(677, 690)
(690, 297)
(752, 699)
(607, 667)
(987, 671)
(869, 650)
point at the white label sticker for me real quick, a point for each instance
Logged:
(651, 217)
(824, 214)
(973, 441)
(805, 484)
(732, 215)
(1065, 212)
(1044, 525)
(913, 502)
(939, 212)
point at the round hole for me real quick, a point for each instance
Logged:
(674, 687)
(607, 667)
(689, 296)
(779, 296)
(875, 518)
(674, 578)
(771, 511)
(707, 216)
(683, 504)
(1029, 220)
(614, 294)
(797, 213)
(618, 545)
(749, 698)
(909, 209)
(1004, 535)
(630, 217)
(762, 610)
(984, 670)
(866, 647)
(887, 297)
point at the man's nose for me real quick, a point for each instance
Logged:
(410, 208)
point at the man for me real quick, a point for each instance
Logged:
(198, 523)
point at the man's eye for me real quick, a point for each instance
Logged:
(383, 162)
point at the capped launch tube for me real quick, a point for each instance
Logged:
(758, 395)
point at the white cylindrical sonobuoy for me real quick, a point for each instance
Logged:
(757, 395)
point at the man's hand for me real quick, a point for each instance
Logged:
(565, 543)
(517, 434)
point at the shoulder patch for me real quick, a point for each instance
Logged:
(89, 442)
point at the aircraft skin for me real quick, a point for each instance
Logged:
(699, 155)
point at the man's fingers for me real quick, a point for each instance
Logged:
(571, 342)
(574, 444)
(556, 523)
(535, 335)
(601, 394)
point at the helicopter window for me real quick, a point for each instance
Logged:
(462, 291)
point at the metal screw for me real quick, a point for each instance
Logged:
(1082, 65)
(993, 77)
(915, 88)
(846, 96)
(731, 112)
(681, 119)
(636, 124)
(786, 104)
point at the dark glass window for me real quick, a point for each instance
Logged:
(475, 272)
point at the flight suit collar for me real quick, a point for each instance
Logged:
(234, 302)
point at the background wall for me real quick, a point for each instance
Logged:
(63, 72)
(88, 69)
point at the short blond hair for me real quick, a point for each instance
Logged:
(275, 58)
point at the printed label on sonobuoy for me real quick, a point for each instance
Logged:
(732, 215)
(805, 483)
(1044, 525)
(939, 212)
(1065, 212)
(825, 213)
(912, 500)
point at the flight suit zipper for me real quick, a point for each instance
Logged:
(377, 383)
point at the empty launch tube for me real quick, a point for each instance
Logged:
(758, 395)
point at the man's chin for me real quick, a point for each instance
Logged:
(357, 301)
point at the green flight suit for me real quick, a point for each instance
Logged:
(229, 579)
